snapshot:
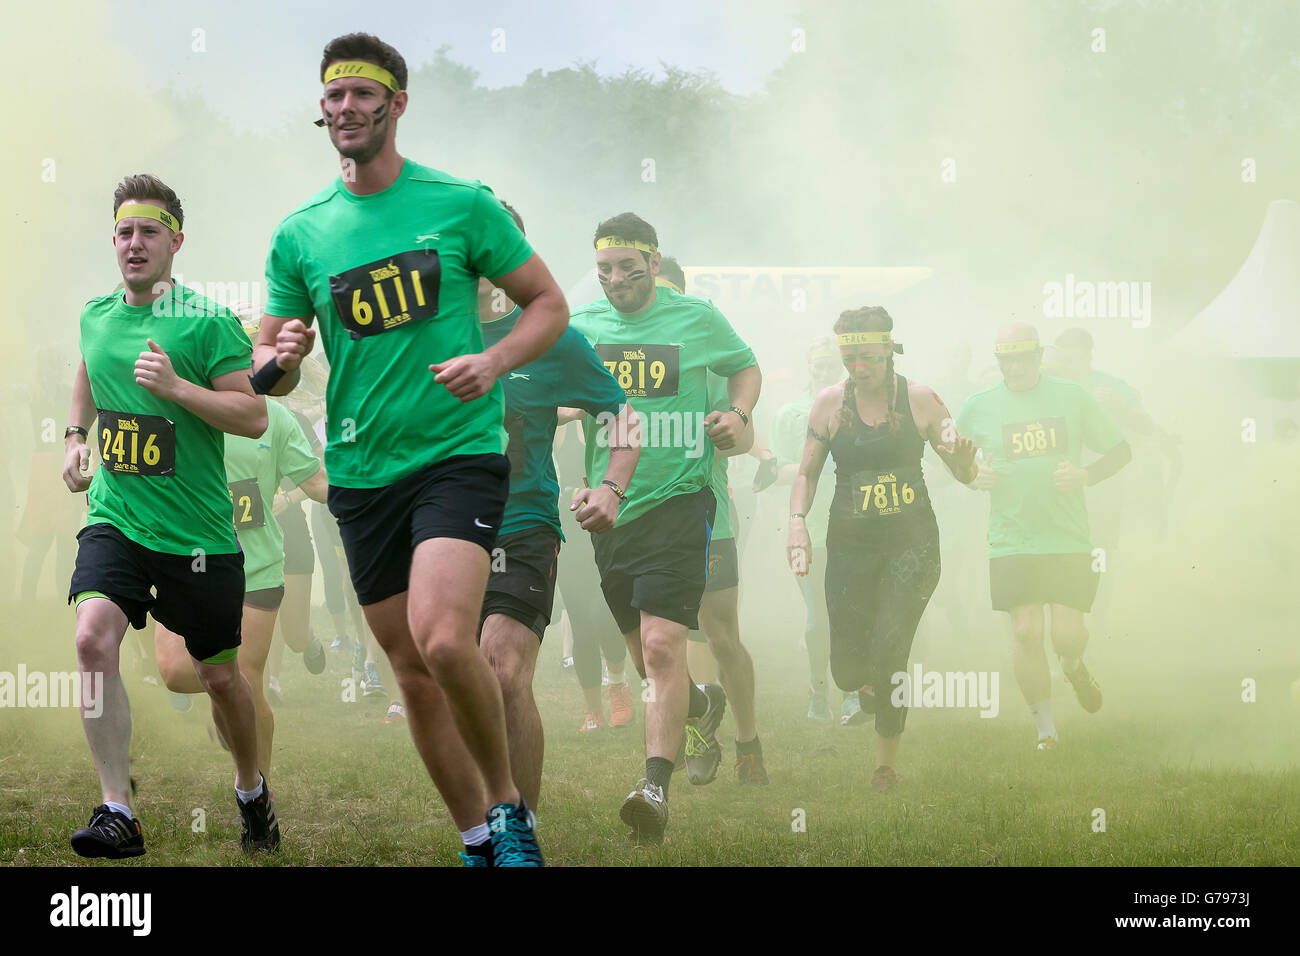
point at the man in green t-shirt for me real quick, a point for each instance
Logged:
(1032, 429)
(254, 469)
(164, 373)
(388, 258)
(789, 429)
(659, 346)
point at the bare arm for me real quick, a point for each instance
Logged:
(287, 351)
(317, 487)
(76, 459)
(727, 430)
(229, 405)
(596, 509)
(938, 428)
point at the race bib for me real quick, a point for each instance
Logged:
(247, 499)
(882, 493)
(137, 444)
(387, 293)
(1036, 439)
(643, 371)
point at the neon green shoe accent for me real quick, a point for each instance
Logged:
(222, 657)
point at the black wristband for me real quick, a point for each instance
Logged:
(267, 377)
(743, 417)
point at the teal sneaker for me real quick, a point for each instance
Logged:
(819, 705)
(470, 859)
(850, 709)
(372, 686)
(514, 835)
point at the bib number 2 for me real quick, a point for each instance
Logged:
(137, 444)
(247, 499)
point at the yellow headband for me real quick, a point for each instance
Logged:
(1024, 345)
(356, 68)
(144, 211)
(660, 280)
(614, 242)
(865, 338)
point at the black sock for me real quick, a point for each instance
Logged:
(484, 850)
(698, 702)
(749, 747)
(659, 771)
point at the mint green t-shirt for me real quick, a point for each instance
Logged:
(393, 279)
(720, 401)
(789, 430)
(1025, 436)
(162, 480)
(660, 357)
(254, 467)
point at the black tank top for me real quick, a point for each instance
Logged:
(880, 494)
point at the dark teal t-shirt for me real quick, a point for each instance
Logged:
(569, 374)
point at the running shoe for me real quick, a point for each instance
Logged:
(182, 703)
(109, 834)
(646, 811)
(749, 769)
(1086, 688)
(358, 667)
(1045, 744)
(620, 705)
(340, 643)
(590, 722)
(886, 779)
(514, 835)
(372, 686)
(473, 859)
(260, 830)
(313, 657)
(849, 709)
(396, 713)
(703, 751)
(273, 690)
(866, 708)
(819, 707)
(566, 663)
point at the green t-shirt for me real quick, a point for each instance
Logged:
(254, 467)
(393, 278)
(1024, 436)
(719, 401)
(660, 358)
(162, 481)
(789, 430)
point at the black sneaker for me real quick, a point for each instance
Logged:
(313, 657)
(260, 829)
(110, 834)
(646, 811)
(703, 752)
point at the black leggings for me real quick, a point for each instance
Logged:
(329, 547)
(594, 630)
(874, 601)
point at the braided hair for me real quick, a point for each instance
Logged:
(872, 318)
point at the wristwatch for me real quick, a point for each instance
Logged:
(75, 430)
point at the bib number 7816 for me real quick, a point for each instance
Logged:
(887, 494)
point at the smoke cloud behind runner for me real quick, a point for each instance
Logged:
(1068, 165)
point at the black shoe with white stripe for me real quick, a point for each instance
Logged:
(110, 834)
(261, 830)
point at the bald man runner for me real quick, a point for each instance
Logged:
(1032, 429)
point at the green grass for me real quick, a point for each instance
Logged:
(1186, 773)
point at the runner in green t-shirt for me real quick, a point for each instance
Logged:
(717, 645)
(789, 429)
(388, 258)
(164, 373)
(660, 346)
(1032, 429)
(254, 469)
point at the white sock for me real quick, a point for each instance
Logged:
(248, 796)
(1042, 712)
(475, 836)
(616, 677)
(120, 808)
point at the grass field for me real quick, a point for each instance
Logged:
(1185, 772)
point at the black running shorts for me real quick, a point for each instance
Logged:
(199, 598)
(658, 563)
(1032, 580)
(460, 497)
(522, 583)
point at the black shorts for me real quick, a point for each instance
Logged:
(522, 583)
(203, 604)
(723, 565)
(658, 562)
(299, 554)
(461, 497)
(1032, 580)
(265, 599)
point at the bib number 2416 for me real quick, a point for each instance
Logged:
(132, 444)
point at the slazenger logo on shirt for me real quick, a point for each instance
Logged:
(515, 375)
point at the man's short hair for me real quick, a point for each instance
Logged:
(364, 46)
(144, 186)
(628, 226)
(670, 269)
(519, 220)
